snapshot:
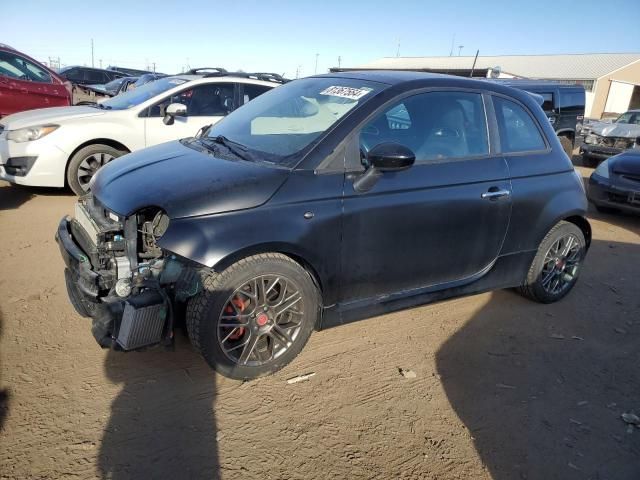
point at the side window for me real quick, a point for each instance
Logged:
(93, 76)
(518, 131)
(252, 91)
(19, 68)
(572, 101)
(547, 105)
(201, 101)
(73, 75)
(435, 126)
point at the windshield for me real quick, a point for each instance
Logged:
(142, 94)
(629, 117)
(287, 119)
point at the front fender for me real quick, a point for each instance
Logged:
(217, 241)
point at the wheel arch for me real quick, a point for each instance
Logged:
(567, 132)
(583, 224)
(289, 250)
(95, 141)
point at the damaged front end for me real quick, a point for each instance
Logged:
(117, 275)
(607, 139)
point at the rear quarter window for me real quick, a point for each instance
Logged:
(518, 130)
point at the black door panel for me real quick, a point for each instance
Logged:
(413, 228)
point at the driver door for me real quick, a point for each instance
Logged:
(442, 220)
(206, 104)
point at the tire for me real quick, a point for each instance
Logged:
(96, 156)
(230, 293)
(567, 146)
(537, 284)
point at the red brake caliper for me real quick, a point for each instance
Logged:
(230, 311)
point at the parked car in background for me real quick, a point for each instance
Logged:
(312, 206)
(131, 72)
(562, 103)
(89, 76)
(615, 184)
(148, 77)
(26, 84)
(604, 139)
(68, 145)
(114, 87)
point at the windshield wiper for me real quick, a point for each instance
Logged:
(234, 147)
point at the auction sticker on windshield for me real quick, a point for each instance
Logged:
(346, 92)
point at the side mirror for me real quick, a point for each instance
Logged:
(172, 111)
(384, 157)
(390, 157)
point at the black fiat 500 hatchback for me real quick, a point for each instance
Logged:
(326, 200)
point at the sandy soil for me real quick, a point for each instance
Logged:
(504, 388)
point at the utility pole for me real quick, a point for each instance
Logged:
(316, 69)
(398, 48)
(298, 70)
(453, 40)
(154, 66)
(92, 65)
(460, 47)
(339, 61)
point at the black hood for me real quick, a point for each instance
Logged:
(626, 163)
(184, 182)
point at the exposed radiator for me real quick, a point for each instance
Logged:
(142, 321)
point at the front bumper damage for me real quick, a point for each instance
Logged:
(602, 147)
(130, 299)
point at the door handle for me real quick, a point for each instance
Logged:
(494, 194)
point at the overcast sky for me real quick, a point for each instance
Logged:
(283, 36)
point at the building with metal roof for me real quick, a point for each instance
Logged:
(611, 80)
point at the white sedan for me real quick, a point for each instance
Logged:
(54, 147)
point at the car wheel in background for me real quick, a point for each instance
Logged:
(567, 146)
(555, 268)
(86, 162)
(254, 317)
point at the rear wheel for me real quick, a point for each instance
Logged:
(555, 268)
(254, 317)
(86, 162)
(567, 146)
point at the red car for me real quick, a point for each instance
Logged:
(26, 84)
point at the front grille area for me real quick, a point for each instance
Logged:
(613, 142)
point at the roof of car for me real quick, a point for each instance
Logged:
(390, 77)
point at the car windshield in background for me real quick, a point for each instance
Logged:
(629, 117)
(286, 120)
(142, 94)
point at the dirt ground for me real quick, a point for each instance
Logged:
(504, 388)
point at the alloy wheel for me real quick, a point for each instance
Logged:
(260, 320)
(561, 264)
(89, 166)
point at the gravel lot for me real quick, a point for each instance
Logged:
(504, 388)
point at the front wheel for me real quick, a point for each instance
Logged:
(555, 268)
(254, 317)
(86, 162)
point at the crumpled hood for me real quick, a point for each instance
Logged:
(184, 182)
(626, 163)
(624, 130)
(42, 116)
